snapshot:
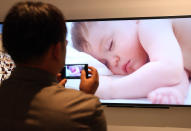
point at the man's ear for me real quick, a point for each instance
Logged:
(56, 50)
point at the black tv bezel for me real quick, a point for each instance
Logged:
(1, 31)
(139, 105)
(2, 24)
(129, 18)
(136, 105)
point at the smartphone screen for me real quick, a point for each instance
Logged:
(73, 71)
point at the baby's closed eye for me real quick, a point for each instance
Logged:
(110, 45)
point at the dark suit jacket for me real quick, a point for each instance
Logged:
(31, 100)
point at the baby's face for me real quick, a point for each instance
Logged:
(116, 44)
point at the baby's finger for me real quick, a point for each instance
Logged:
(158, 99)
(164, 100)
(172, 100)
(179, 100)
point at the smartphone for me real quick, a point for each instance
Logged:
(73, 71)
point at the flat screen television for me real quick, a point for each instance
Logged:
(142, 61)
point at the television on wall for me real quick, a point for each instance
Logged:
(143, 61)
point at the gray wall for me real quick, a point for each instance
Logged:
(80, 9)
(77, 9)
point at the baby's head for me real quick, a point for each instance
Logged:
(114, 43)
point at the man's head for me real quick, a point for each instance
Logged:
(114, 43)
(30, 29)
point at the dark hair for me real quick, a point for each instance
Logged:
(30, 28)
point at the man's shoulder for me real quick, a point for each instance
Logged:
(68, 107)
(66, 97)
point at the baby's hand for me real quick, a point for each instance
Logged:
(166, 95)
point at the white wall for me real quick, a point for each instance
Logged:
(84, 9)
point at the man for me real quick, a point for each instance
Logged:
(34, 34)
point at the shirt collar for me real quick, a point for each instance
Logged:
(30, 73)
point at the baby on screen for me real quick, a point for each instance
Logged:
(152, 56)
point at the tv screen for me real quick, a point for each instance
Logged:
(1, 28)
(140, 61)
(1, 25)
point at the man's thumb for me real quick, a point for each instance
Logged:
(83, 75)
(62, 82)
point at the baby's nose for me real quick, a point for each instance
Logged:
(116, 60)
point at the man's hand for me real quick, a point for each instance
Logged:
(89, 85)
(62, 82)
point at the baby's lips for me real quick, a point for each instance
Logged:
(126, 67)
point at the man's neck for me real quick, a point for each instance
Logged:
(44, 67)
